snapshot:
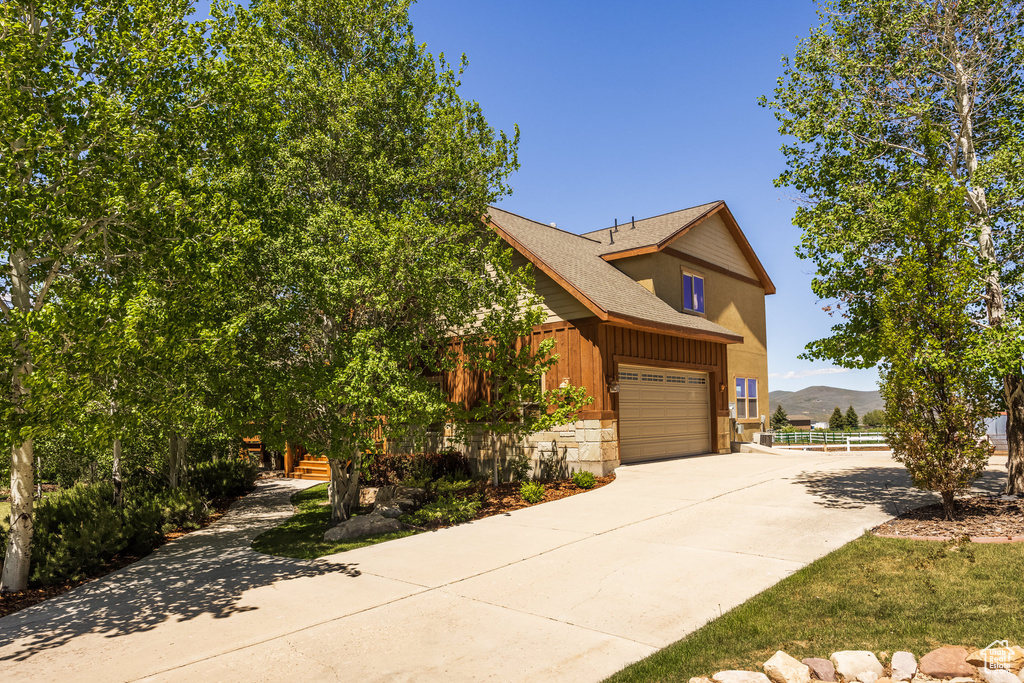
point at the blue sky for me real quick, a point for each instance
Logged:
(640, 108)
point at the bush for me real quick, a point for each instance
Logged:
(76, 531)
(388, 469)
(223, 478)
(79, 530)
(584, 479)
(181, 508)
(455, 486)
(446, 510)
(532, 491)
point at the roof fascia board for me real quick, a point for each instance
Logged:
(689, 333)
(548, 270)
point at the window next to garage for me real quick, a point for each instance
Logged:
(693, 292)
(746, 398)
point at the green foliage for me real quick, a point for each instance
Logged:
(851, 420)
(451, 485)
(936, 385)
(224, 478)
(584, 479)
(302, 535)
(448, 509)
(874, 418)
(181, 508)
(836, 422)
(532, 491)
(518, 466)
(780, 420)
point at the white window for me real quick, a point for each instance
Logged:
(693, 293)
(746, 398)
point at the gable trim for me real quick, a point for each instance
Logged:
(763, 280)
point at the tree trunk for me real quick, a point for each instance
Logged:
(118, 497)
(1013, 386)
(175, 460)
(19, 541)
(947, 504)
(343, 491)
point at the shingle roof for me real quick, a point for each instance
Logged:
(603, 288)
(649, 231)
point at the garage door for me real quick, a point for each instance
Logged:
(662, 413)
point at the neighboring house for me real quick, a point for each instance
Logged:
(800, 422)
(662, 320)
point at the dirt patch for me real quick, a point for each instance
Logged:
(977, 517)
(12, 602)
(506, 497)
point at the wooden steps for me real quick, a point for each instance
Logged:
(314, 469)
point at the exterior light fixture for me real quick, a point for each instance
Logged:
(613, 385)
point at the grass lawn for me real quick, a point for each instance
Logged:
(302, 536)
(873, 594)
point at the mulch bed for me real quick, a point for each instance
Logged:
(12, 602)
(506, 497)
(979, 517)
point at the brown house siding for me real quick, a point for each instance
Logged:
(589, 352)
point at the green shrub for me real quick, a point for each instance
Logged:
(532, 491)
(518, 466)
(181, 508)
(76, 531)
(446, 510)
(584, 479)
(225, 478)
(455, 486)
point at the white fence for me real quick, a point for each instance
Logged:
(827, 438)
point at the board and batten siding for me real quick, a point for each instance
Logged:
(712, 242)
(589, 353)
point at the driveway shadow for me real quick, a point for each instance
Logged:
(887, 488)
(204, 573)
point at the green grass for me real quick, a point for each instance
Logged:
(873, 594)
(302, 536)
(5, 514)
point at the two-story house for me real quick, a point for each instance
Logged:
(662, 320)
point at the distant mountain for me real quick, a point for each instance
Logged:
(818, 403)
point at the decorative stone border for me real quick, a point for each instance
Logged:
(973, 539)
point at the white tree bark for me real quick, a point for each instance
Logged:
(19, 543)
(175, 460)
(118, 496)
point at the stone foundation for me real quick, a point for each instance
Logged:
(585, 445)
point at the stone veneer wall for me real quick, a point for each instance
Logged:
(590, 445)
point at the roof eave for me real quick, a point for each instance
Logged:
(675, 330)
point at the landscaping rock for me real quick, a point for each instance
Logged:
(850, 664)
(387, 511)
(998, 675)
(386, 494)
(700, 679)
(418, 496)
(1011, 658)
(821, 669)
(904, 666)
(740, 677)
(946, 662)
(367, 495)
(357, 527)
(406, 504)
(782, 668)
(868, 677)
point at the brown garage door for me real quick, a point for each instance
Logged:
(662, 413)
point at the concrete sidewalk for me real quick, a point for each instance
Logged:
(569, 590)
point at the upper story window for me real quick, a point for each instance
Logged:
(746, 398)
(693, 293)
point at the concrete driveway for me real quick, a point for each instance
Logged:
(570, 590)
